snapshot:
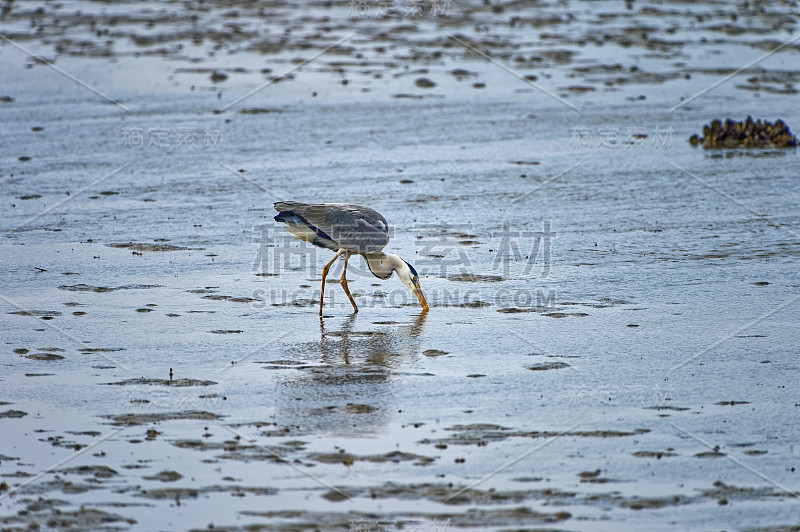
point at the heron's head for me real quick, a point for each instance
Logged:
(408, 275)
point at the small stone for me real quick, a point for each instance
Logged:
(218, 76)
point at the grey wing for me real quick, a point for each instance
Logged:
(355, 228)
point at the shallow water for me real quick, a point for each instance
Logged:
(613, 327)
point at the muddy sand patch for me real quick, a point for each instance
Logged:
(141, 246)
(13, 414)
(99, 289)
(48, 513)
(475, 278)
(97, 471)
(178, 383)
(44, 314)
(482, 433)
(165, 476)
(349, 459)
(473, 518)
(193, 493)
(545, 366)
(45, 357)
(244, 452)
(142, 419)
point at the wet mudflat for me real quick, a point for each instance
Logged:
(612, 339)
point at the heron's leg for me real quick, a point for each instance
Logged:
(343, 282)
(324, 275)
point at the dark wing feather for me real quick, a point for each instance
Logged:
(355, 228)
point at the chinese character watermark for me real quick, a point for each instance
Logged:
(635, 396)
(446, 250)
(509, 249)
(614, 138)
(165, 397)
(163, 138)
(281, 251)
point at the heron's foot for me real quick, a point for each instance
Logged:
(343, 282)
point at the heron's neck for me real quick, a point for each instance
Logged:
(382, 264)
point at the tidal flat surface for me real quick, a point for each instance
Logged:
(612, 342)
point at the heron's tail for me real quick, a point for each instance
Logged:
(288, 217)
(300, 228)
(282, 206)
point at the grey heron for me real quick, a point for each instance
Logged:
(348, 230)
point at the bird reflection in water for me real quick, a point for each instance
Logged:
(373, 346)
(349, 389)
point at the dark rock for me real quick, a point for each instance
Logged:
(746, 134)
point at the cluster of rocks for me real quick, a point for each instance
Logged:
(747, 134)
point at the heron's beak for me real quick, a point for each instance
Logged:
(421, 298)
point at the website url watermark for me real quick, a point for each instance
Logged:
(532, 299)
